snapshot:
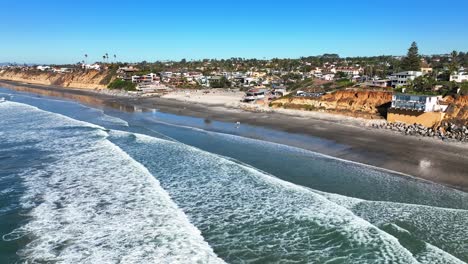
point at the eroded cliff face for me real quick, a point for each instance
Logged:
(365, 104)
(86, 80)
(457, 111)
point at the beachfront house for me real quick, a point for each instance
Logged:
(424, 103)
(426, 110)
(253, 95)
(459, 77)
(403, 78)
(148, 78)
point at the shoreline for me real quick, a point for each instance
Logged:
(424, 158)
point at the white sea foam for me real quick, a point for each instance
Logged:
(92, 203)
(111, 119)
(243, 212)
(445, 227)
(98, 116)
(384, 176)
(203, 180)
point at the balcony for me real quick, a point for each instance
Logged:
(409, 105)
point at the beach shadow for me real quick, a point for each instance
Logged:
(383, 109)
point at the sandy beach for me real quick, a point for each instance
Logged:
(433, 160)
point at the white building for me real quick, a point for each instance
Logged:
(62, 70)
(328, 77)
(350, 71)
(376, 83)
(148, 78)
(95, 66)
(422, 103)
(459, 77)
(254, 94)
(402, 78)
(43, 68)
(317, 70)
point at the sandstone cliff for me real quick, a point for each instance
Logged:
(85, 80)
(457, 111)
(366, 104)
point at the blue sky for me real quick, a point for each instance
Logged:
(62, 31)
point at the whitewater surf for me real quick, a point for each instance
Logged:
(98, 190)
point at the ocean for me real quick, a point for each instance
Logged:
(93, 184)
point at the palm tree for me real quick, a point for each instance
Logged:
(107, 57)
(453, 66)
(86, 57)
(103, 58)
(115, 58)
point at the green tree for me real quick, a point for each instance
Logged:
(423, 84)
(122, 84)
(412, 61)
(341, 75)
(464, 88)
(219, 83)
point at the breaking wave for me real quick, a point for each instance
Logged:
(92, 203)
(113, 196)
(247, 215)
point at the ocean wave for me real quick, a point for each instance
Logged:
(317, 170)
(93, 203)
(250, 216)
(77, 110)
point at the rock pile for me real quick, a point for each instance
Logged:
(446, 131)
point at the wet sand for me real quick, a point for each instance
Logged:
(433, 160)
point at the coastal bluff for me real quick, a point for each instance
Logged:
(90, 79)
(458, 109)
(365, 104)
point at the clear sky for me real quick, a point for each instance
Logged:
(63, 31)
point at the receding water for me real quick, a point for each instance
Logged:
(86, 185)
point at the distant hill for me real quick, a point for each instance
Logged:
(14, 63)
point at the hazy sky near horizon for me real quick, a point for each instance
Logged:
(51, 31)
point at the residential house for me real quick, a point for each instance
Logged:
(316, 71)
(350, 71)
(459, 77)
(62, 70)
(328, 77)
(148, 78)
(426, 70)
(254, 95)
(403, 78)
(44, 68)
(425, 103)
(129, 69)
(126, 73)
(425, 110)
(215, 81)
(94, 66)
(377, 83)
